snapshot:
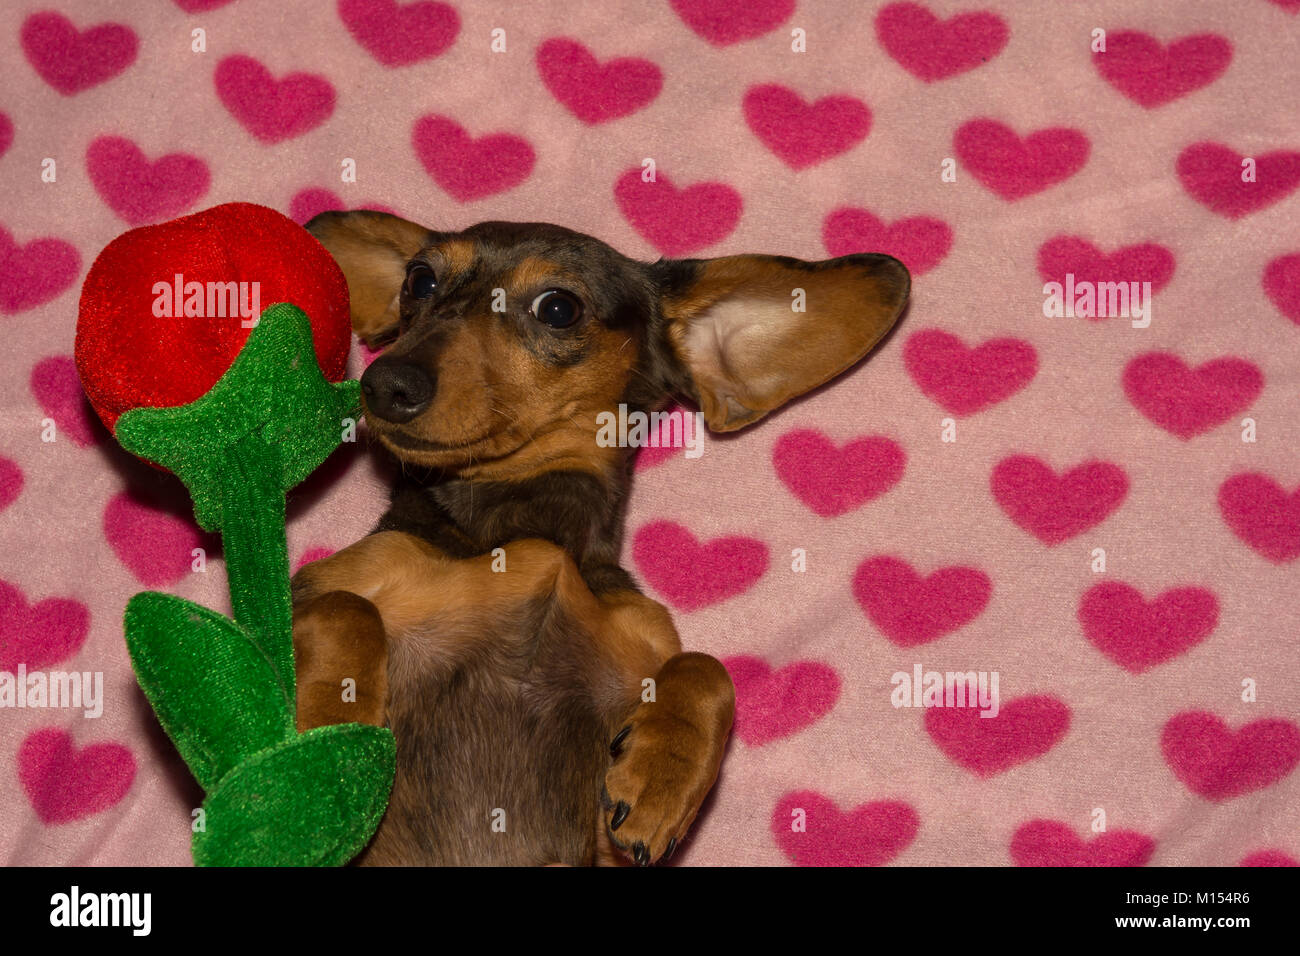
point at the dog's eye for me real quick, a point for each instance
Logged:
(556, 308)
(420, 282)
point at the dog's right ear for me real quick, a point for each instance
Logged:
(372, 249)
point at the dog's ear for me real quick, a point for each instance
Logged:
(372, 249)
(748, 333)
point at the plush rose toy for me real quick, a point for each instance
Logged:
(209, 345)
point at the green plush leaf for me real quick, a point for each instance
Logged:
(315, 800)
(274, 390)
(212, 684)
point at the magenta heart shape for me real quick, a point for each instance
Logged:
(1268, 858)
(57, 389)
(1071, 255)
(309, 203)
(140, 191)
(155, 546)
(595, 92)
(966, 380)
(804, 134)
(933, 49)
(35, 273)
(1055, 508)
(677, 221)
(668, 440)
(1263, 515)
(11, 482)
(835, 480)
(920, 242)
(401, 34)
(1218, 763)
(1190, 401)
(812, 831)
(1138, 634)
(72, 60)
(1024, 729)
(40, 634)
(1211, 173)
(1152, 74)
(723, 22)
(772, 704)
(691, 575)
(1013, 167)
(6, 133)
(1282, 285)
(65, 783)
(468, 168)
(911, 609)
(272, 110)
(1053, 843)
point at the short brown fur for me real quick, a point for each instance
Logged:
(530, 685)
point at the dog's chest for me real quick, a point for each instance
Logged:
(501, 751)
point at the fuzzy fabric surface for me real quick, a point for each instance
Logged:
(1090, 510)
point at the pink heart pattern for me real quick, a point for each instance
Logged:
(1152, 74)
(771, 140)
(1282, 284)
(912, 610)
(1219, 763)
(833, 481)
(965, 380)
(11, 483)
(593, 92)
(677, 221)
(34, 273)
(140, 191)
(155, 546)
(773, 704)
(692, 575)
(469, 168)
(919, 242)
(66, 783)
(1025, 729)
(1186, 401)
(871, 834)
(1014, 167)
(272, 110)
(933, 49)
(1053, 843)
(73, 60)
(722, 22)
(1263, 515)
(40, 634)
(401, 34)
(803, 134)
(57, 390)
(1138, 634)
(1052, 507)
(1072, 255)
(1212, 175)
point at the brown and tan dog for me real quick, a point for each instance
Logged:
(543, 708)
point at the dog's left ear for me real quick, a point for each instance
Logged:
(749, 333)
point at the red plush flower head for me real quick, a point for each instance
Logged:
(166, 309)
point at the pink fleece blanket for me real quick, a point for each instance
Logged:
(1090, 505)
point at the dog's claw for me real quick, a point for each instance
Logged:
(672, 845)
(616, 744)
(641, 854)
(620, 814)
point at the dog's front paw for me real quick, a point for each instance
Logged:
(662, 771)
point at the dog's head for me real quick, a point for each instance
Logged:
(505, 341)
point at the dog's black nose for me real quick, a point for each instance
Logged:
(396, 391)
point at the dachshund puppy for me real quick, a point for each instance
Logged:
(543, 707)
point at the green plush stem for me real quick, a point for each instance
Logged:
(257, 557)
